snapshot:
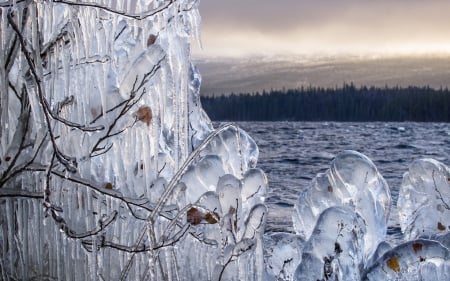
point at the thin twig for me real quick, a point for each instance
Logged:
(165, 196)
(139, 16)
(126, 106)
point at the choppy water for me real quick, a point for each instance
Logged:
(292, 153)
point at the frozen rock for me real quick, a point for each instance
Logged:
(424, 199)
(413, 261)
(335, 249)
(282, 255)
(352, 181)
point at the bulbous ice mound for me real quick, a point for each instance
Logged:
(424, 199)
(413, 260)
(282, 255)
(224, 193)
(335, 249)
(352, 181)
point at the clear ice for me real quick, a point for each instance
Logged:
(334, 250)
(111, 170)
(413, 261)
(352, 181)
(424, 199)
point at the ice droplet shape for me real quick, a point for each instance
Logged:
(424, 199)
(236, 148)
(254, 188)
(202, 176)
(352, 181)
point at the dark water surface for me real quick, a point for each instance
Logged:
(292, 153)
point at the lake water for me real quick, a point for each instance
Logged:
(292, 153)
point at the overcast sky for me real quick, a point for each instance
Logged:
(324, 27)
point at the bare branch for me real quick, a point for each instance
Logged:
(20, 169)
(102, 243)
(165, 196)
(10, 3)
(126, 106)
(139, 16)
(21, 133)
(446, 206)
(72, 234)
(14, 192)
(31, 63)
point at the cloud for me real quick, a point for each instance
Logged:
(299, 26)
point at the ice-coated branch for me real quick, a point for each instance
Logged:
(15, 192)
(46, 106)
(69, 162)
(103, 243)
(143, 203)
(239, 249)
(73, 234)
(10, 3)
(138, 87)
(24, 167)
(90, 246)
(138, 16)
(165, 196)
(446, 206)
(20, 136)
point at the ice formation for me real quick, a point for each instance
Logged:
(424, 199)
(352, 181)
(413, 260)
(282, 254)
(334, 250)
(110, 169)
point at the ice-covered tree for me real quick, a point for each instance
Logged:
(109, 168)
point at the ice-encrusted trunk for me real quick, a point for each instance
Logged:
(102, 141)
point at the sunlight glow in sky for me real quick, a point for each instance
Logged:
(324, 27)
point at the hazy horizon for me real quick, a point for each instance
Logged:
(237, 75)
(257, 44)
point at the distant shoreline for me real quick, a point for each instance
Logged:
(346, 103)
(251, 74)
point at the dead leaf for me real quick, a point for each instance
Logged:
(210, 218)
(108, 185)
(440, 226)
(417, 247)
(330, 188)
(337, 248)
(151, 40)
(194, 216)
(144, 114)
(393, 264)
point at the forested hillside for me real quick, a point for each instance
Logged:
(346, 103)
